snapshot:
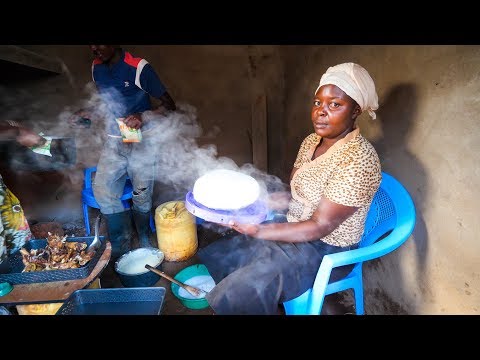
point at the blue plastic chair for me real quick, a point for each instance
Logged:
(390, 222)
(88, 199)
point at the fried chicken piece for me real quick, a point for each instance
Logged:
(75, 245)
(57, 254)
(55, 241)
(84, 257)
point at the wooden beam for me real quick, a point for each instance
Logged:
(259, 136)
(259, 132)
(19, 55)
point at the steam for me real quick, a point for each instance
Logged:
(180, 161)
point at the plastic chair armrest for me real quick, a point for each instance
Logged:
(386, 245)
(317, 295)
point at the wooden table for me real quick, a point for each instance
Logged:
(54, 291)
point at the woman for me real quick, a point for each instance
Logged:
(14, 229)
(333, 181)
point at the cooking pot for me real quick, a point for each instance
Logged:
(131, 270)
(63, 150)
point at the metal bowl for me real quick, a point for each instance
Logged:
(131, 270)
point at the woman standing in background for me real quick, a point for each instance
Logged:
(14, 229)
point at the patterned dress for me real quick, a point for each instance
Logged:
(14, 229)
(349, 174)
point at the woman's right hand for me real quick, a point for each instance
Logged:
(247, 229)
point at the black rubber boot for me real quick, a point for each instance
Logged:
(120, 232)
(142, 224)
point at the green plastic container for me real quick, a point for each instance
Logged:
(184, 275)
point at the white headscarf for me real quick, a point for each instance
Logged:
(356, 82)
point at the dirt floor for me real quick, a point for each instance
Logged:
(333, 305)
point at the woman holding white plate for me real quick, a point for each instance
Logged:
(333, 181)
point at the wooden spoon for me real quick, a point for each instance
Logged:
(191, 289)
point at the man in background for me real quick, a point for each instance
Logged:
(133, 102)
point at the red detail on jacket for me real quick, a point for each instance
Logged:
(130, 60)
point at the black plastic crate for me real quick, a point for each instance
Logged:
(16, 276)
(115, 301)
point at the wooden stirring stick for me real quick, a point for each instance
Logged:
(191, 289)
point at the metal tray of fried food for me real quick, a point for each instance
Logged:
(114, 301)
(17, 276)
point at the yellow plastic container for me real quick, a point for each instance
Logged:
(176, 231)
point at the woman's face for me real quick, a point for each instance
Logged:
(333, 112)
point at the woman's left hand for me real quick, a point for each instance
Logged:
(247, 229)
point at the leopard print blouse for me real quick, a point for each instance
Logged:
(349, 173)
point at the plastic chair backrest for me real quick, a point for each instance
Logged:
(393, 211)
(380, 218)
(87, 178)
(390, 222)
(87, 184)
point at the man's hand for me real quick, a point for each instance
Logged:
(134, 121)
(28, 138)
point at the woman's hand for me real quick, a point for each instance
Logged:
(247, 229)
(134, 121)
(28, 138)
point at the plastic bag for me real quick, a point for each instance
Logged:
(129, 134)
(45, 148)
